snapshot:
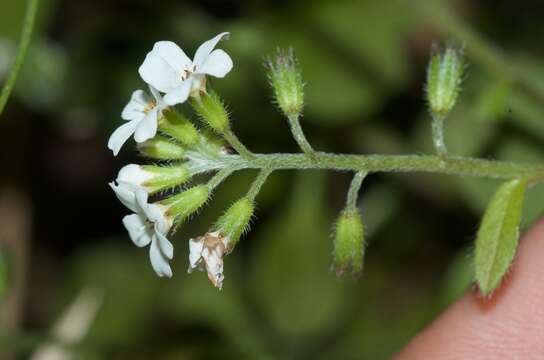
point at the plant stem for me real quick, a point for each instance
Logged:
(24, 42)
(353, 192)
(258, 183)
(220, 177)
(237, 144)
(437, 124)
(299, 136)
(454, 165)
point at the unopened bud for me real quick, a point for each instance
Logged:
(286, 80)
(161, 148)
(176, 125)
(153, 178)
(444, 77)
(187, 202)
(212, 111)
(235, 222)
(348, 243)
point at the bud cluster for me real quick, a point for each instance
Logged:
(444, 77)
(286, 81)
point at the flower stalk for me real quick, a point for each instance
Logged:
(299, 136)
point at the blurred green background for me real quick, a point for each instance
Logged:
(364, 64)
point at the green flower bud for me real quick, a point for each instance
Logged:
(154, 178)
(176, 125)
(212, 111)
(187, 202)
(444, 77)
(161, 148)
(235, 222)
(348, 243)
(286, 80)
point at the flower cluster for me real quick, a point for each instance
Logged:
(180, 151)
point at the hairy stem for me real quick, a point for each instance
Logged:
(438, 136)
(454, 165)
(299, 136)
(24, 42)
(220, 177)
(258, 183)
(237, 144)
(353, 192)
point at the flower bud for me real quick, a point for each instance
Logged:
(176, 125)
(286, 80)
(235, 222)
(161, 148)
(211, 110)
(187, 202)
(444, 77)
(348, 243)
(153, 178)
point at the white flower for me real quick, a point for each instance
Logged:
(169, 70)
(142, 113)
(135, 175)
(206, 254)
(148, 225)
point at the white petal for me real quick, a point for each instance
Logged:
(147, 128)
(126, 195)
(158, 261)
(218, 64)
(158, 73)
(134, 110)
(121, 135)
(165, 246)
(158, 98)
(180, 94)
(133, 174)
(141, 201)
(214, 265)
(195, 253)
(172, 55)
(138, 229)
(206, 48)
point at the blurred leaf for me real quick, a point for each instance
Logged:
(377, 39)
(4, 274)
(497, 238)
(41, 82)
(129, 285)
(458, 277)
(291, 279)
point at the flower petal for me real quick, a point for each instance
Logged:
(214, 265)
(195, 253)
(165, 245)
(172, 54)
(158, 261)
(158, 73)
(121, 135)
(138, 229)
(180, 94)
(134, 110)
(141, 201)
(218, 64)
(206, 48)
(133, 174)
(126, 195)
(147, 128)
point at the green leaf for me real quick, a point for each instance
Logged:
(498, 235)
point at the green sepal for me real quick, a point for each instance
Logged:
(348, 243)
(211, 110)
(444, 77)
(187, 202)
(176, 125)
(165, 177)
(162, 148)
(235, 221)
